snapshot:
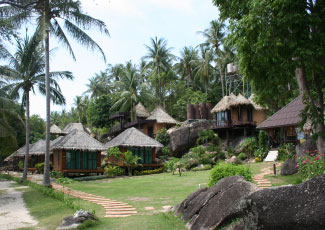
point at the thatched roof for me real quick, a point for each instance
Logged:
(256, 106)
(133, 137)
(55, 130)
(72, 126)
(225, 103)
(141, 111)
(78, 140)
(231, 101)
(161, 116)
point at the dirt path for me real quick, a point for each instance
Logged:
(262, 182)
(13, 212)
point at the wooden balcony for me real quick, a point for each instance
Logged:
(225, 124)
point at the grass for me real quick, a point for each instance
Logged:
(256, 168)
(48, 211)
(144, 191)
(279, 180)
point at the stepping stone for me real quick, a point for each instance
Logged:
(120, 212)
(120, 209)
(166, 207)
(149, 208)
(120, 206)
(116, 216)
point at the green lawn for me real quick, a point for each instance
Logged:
(144, 191)
(48, 211)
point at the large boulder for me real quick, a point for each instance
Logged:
(289, 167)
(72, 222)
(209, 208)
(299, 207)
(184, 137)
(308, 145)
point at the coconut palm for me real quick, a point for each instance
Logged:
(186, 64)
(51, 15)
(96, 86)
(204, 69)
(131, 90)
(214, 37)
(25, 72)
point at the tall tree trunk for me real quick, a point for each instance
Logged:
(27, 137)
(304, 90)
(46, 178)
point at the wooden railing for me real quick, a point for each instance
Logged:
(226, 124)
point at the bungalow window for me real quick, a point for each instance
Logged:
(92, 160)
(75, 158)
(239, 114)
(222, 117)
(249, 114)
(144, 153)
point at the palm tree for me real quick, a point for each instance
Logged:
(131, 90)
(214, 37)
(70, 14)
(186, 64)
(96, 86)
(26, 71)
(204, 69)
(160, 58)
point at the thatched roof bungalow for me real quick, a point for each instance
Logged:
(141, 111)
(77, 152)
(139, 143)
(72, 126)
(56, 130)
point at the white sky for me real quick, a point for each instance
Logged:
(131, 24)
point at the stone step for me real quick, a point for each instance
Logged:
(120, 209)
(116, 216)
(120, 212)
(118, 206)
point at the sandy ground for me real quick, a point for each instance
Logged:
(13, 212)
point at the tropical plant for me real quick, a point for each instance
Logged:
(249, 146)
(208, 136)
(131, 161)
(186, 64)
(25, 72)
(162, 136)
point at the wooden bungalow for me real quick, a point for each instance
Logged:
(77, 152)
(237, 115)
(157, 120)
(139, 143)
(283, 126)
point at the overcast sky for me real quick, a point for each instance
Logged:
(131, 24)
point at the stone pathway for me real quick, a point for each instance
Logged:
(112, 208)
(13, 211)
(262, 182)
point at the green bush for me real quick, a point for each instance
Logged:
(263, 147)
(40, 167)
(221, 156)
(165, 151)
(226, 170)
(208, 136)
(21, 165)
(64, 180)
(162, 136)
(242, 156)
(285, 152)
(148, 172)
(170, 164)
(205, 167)
(90, 178)
(249, 146)
(55, 174)
(114, 152)
(112, 171)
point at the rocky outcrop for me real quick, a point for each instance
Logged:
(308, 145)
(209, 208)
(242, 205)
(72, 222)
(184, 137)
(299, 207)
(289, 167)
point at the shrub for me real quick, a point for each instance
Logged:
(248, 146)
(205, 167)
(286, 151)
(226, 170)
(162, 136)
(242, 156)
(90, 178)
(21, 165)
(56, 174)
(64, 180)
(208, 136)
(40, 167)
(311, 165)
(221, 156)
(114, 152)
(112, 171)
(148, 172)
(263, 147)
(170, 164)
(165, 152)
